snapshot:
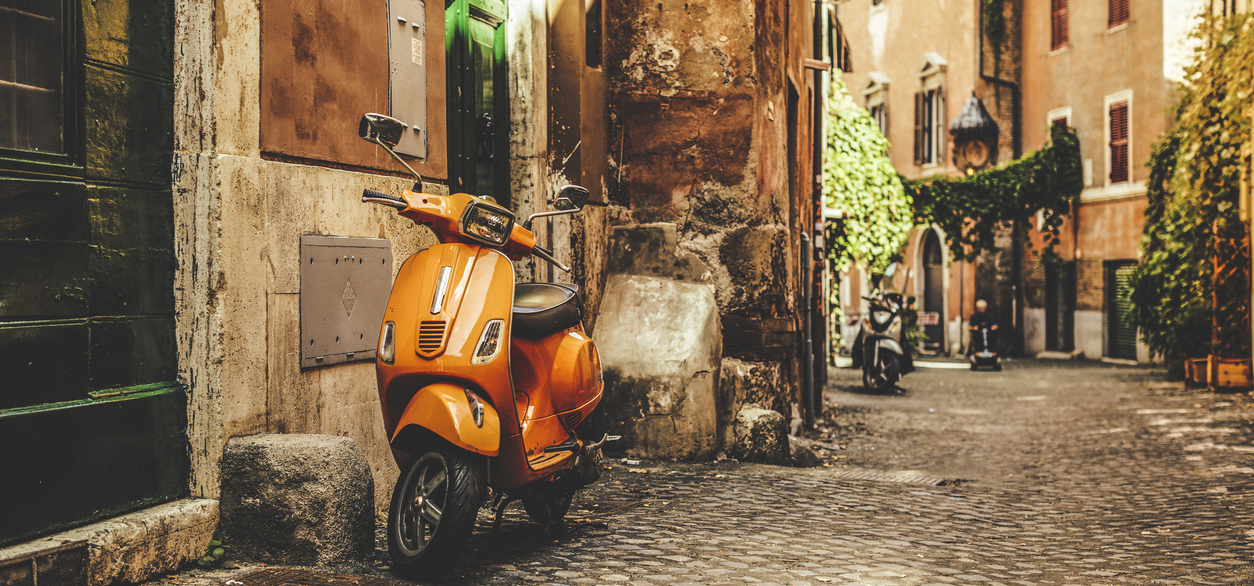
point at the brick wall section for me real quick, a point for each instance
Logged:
(1033, 280)
(1090, 285)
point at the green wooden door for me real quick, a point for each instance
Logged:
(1120, 332)
(92, 420)
(478, 98)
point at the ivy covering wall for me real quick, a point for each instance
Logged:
(1193, 200)
(860, 182)
(971, 209)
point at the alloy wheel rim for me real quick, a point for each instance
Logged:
(422, 507)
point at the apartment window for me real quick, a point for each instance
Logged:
(1059, 117)
(876, 93)
(879, 112)
(1118, 13)
(1117, 130)
(32, 76)
(1058, 24)
(929, 112)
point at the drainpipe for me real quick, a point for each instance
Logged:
(807, 360)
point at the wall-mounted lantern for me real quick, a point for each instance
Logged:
(975, 135)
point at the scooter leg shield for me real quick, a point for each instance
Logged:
(448, 411)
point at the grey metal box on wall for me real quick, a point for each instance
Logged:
(407, 72)
(344, 288)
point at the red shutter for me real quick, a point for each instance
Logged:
(1058, 24)
(918, 128)
(1119, 143)
(1118, 12)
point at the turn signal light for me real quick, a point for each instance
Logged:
(387, 343)
(489, 345)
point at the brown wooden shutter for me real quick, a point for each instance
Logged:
(941, 124)
(1119, 13)
(918, 128)
(1058, 24)
(1119, 143)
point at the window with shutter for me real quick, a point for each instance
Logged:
(918, 128)
(1119, 142)
(1118, 13)
(1058, 24)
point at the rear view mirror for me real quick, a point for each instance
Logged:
(378, 128)
(571, 197)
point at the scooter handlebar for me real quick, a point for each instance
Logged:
(372, 196)
(541, 252)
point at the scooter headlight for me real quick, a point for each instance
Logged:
(488, 224)
(387, 343)
(881, 317)
(489, 345)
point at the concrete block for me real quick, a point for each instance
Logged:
(759, 435)
(661, 344)
(135, 547)
(801, 454)
(297, 499)
(749, 384)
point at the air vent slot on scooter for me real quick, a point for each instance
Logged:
(431, 337)
(572, 419)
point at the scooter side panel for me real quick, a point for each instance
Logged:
(480, 289)
(444, 409)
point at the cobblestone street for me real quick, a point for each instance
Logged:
(1056, 473)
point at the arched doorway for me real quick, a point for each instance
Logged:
(934, 290)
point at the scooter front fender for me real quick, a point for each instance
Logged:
(445, 410)
(889, 344)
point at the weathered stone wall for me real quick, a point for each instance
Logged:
(698, 91)
(239, 218)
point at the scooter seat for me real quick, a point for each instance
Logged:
(543, 309)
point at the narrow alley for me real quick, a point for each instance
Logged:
(1045, 473)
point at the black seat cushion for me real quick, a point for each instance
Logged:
(542, 309)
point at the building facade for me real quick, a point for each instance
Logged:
(156, 298)
(916, 77)
(1108, 69)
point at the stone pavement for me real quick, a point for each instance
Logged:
(1060, 473)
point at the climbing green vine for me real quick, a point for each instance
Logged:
(971, 209)
(1192, 193)
(994, 21)
(860, 183)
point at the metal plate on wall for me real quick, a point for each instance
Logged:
(407, 72)
(344, 287)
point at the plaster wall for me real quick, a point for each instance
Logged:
(1098, 61)
(1033, 331)
(238, 222)
(1089, 333)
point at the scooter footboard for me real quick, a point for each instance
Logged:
(448, 411)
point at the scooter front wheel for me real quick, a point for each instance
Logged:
(882, 376)
(433, 511)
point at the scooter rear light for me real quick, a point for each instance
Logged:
(489, 345)
(387, 343)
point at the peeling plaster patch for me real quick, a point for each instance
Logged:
(1203, 446)
(1180, 431)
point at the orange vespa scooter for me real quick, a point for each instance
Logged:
(482, 382)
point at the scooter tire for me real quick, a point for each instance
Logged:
(431, 517)
(889, 373)
(550, 508)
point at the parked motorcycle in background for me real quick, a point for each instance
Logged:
(880, 349)
(482, 382)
